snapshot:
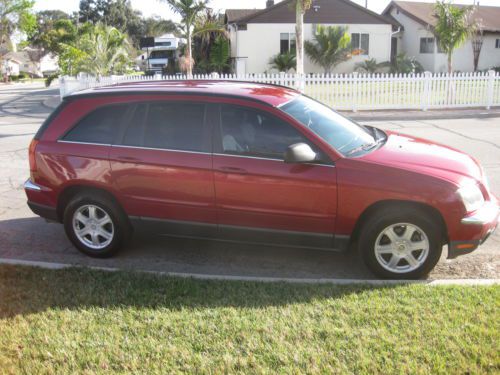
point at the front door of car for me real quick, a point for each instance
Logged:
(162, 166)
(259, 195)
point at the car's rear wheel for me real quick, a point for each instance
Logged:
(95, 225)
(401, 243)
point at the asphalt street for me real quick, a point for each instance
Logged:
(25, 236)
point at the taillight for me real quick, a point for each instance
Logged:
(31, 154)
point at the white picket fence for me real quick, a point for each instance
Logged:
(353, 91)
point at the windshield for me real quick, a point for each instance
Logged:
(344, 135)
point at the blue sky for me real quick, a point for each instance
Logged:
(149, 7)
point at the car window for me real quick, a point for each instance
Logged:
(250, 132)
(175, 126)
(100, 126)
(134, 134)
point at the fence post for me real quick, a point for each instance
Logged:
(427, 85)
(491, 83)
(354, 92)
(62, 87)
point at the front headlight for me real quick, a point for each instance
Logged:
(472, 197)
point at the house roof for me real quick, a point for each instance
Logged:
(233, 15)
(321, 11)
(489, 16)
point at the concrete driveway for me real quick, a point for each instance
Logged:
(24, 236)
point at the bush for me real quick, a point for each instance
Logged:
(50, 78)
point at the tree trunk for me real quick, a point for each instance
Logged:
(299, 37)
(450, 65)
(189, 54)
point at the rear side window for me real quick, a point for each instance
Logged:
(172, 126)
(100, 126)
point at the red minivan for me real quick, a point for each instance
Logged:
(252, 162)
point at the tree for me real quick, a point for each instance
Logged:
(190, 10)
(284, 62)
(204, 41)
(46, 22)
(14, 14)
(35, 55)
(453, 28)
(96, 49)
(331, 46)
(219, 54)
(405, 65)
(117, 13)
(106, 51)
(477, 44)
(156, 26)
(300, 8)
(370, 66)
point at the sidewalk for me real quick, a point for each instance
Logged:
(437, 114)
(393, 115)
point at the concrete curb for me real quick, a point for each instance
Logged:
(58, 266)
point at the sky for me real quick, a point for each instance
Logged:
(151, 7)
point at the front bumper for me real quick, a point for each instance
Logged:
(485, 220)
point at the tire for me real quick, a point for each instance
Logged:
(400, 243)
(104, 227)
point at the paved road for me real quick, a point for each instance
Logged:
(27, 237)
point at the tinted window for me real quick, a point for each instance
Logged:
(175, 126)
(100, 126)
(254, 133)
(134, 133)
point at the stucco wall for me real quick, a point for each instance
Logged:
(437, 62)
(262, 41)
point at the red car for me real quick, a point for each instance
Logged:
(251, 162)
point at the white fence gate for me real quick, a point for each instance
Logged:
(354, 91)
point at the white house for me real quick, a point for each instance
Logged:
(417, 39)
(256, 35)
(10, 66)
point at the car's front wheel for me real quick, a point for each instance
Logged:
(401, 243)
(95, 225)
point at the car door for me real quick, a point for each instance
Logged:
(258, 195)
(162, 167)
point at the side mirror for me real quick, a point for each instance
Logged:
(299, 153)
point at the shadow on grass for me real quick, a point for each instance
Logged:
(27, 290)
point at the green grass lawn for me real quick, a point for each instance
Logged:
(77, 320)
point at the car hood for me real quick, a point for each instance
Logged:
(423, 156)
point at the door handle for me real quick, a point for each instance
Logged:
(232, 170)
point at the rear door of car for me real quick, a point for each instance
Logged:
(261, 197)
(162, 166)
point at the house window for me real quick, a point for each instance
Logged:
(287, 42)
(497, 43)
(426, 45)
(361, 42)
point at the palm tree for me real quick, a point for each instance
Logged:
(219, 54)
(453, 28)
(331, 46)
(404, 64)
(190, 10)
(106, 51)
(300, 8)
(283, 62)
(370, 66)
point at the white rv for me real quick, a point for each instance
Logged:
(165, 49)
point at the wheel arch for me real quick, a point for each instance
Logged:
(384, 204)
(69, 192)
